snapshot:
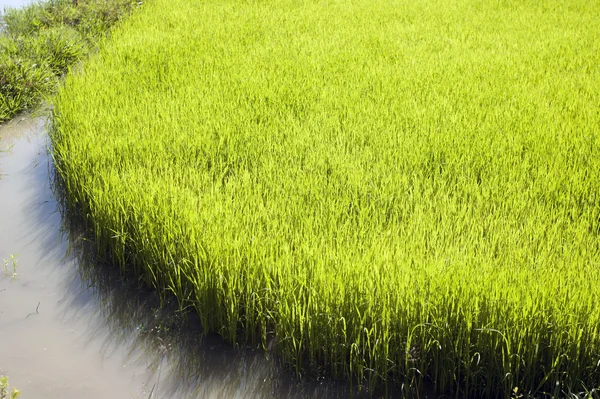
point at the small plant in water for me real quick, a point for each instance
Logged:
(4, 390)
(11, 262)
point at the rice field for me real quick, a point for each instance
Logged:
(397, 193)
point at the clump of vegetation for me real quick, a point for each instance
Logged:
(11, 263)
(5, 391)
(40, 42)
(392, 192)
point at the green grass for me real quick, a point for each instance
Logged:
(398, 192)
(40, 42)
(4, 389)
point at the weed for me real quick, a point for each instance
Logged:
(42, 41)
(4, 390)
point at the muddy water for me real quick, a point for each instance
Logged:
(51, 343)
(73, 328)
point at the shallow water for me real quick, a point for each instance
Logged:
(50, 341)
(73, 328)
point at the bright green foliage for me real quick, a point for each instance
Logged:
(397, 191)
(4, 390)
(41, 41)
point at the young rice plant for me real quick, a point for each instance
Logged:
(393, 192)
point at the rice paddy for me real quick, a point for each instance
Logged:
(396, 193)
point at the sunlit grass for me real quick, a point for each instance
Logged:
(398, 192)
(4, 389)
(42, 40)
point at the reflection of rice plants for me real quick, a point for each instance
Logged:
(4, 390)
(11, 263)
(387, 191)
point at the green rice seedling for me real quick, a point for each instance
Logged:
(11, 263)
(4, 390)
(395, 193)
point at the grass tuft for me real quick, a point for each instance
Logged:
(4, 390)
(40, 42)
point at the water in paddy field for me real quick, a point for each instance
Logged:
(72, 328)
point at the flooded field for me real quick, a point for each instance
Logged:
(70, 328)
